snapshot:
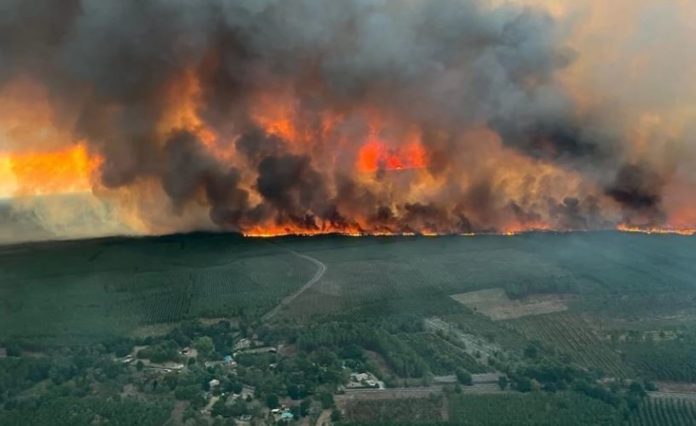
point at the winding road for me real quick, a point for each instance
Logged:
(321, 269)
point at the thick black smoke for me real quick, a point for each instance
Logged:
(638, 189)
(442, 66)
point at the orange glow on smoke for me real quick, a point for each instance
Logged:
(183, 95)
(42, 173)
(275, 114)
(375, 155)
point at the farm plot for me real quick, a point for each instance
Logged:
(530, 410)
(394, 411)
(496, 305)
(496, 332)
(665, 412)
(672, 360)
(441, 356)
(573, 337)
(472, 344)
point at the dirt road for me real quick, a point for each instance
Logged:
(321, 269)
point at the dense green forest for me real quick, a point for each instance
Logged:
(590, 329)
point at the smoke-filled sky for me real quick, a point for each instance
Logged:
(355, 116)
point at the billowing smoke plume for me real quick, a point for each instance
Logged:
(450, 116)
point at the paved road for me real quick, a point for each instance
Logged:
(321, 269)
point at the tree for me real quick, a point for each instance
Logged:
(13, 349)
(272, 401)
(523, 384)
(294, 392)
(327, 400)
(503, 382)
(139, 365)
(220, 409)
(531, 351)
(335, 416)
(62, 370)
(188, 392)
(464, 377)
(239, 408)
(636, 389)
(304, 407)
(204, 345)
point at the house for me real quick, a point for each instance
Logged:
(364, 380)
(284, 414)
(229, 361)
(248, 391)
(214, 383)
(242, 344)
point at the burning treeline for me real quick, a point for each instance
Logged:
(358, 116)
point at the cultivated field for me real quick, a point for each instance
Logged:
(497, 305)
(531, 410)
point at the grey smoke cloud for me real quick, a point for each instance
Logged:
(444, 67)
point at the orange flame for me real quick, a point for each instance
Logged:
(375, 155)
(62, 171)
(657, 230)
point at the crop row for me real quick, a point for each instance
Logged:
(665, 412)
(573, 337)
(442, 357)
